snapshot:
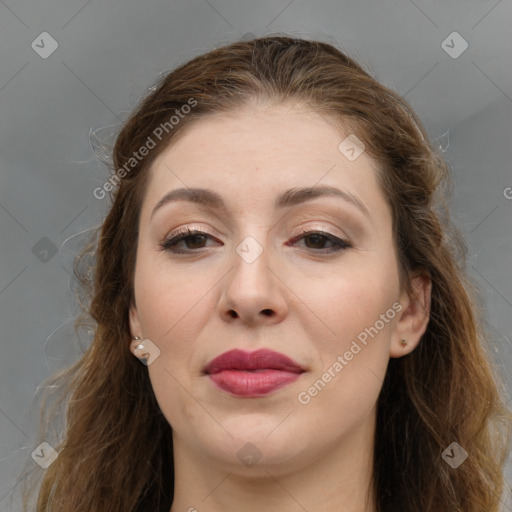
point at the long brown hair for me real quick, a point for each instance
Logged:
(115, 451)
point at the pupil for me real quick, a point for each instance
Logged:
(317, 239)
(196, 239)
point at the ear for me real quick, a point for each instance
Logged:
(135, 327)
(413, 319)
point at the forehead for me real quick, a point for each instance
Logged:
(259, 130)
(259, 151)
(285, 131)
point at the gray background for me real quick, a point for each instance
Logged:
(109, 54)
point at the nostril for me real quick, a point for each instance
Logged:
(267, 312)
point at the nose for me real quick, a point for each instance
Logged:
(253, 291)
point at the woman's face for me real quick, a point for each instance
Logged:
(330, 301)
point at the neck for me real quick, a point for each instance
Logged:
(339, 480)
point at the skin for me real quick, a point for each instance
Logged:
(309, 306)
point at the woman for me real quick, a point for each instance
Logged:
(279, 255)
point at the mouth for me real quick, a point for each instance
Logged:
(252, 374)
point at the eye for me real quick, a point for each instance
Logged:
(316, 240)
(195, 240)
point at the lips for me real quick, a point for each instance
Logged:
(252, 374)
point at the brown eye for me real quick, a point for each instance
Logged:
(316, 241)
(193, 240)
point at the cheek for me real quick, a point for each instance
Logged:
(171, 309)
(166, 300)
(176, 405)
(341, 405)
(353, 299)
(351, 333)
(352, 360)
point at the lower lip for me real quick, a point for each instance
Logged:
(253, 383)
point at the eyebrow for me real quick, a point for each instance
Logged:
(291, 197)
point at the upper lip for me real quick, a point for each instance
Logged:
(260, 359)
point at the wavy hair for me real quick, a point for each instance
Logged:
(115, 445)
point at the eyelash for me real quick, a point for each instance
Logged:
(187, 233)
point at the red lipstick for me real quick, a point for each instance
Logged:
(252, 374)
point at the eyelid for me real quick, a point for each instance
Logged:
(301, 230)
(320, 228)
(187, 228)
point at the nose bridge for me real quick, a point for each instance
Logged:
(251, 264)
(251, 288)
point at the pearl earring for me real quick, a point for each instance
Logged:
(140, 345)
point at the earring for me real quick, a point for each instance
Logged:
(140, 345)
(140, 351)
(403, 341)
